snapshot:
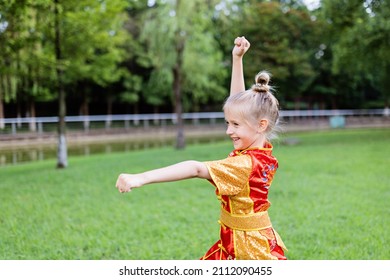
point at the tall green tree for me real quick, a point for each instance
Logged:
(54, 45)
(182, 50)
(62, 154)
(88, 38)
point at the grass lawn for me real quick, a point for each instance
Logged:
(330, 201)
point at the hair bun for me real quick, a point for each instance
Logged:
(261, 82)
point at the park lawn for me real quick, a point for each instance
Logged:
(330, 201)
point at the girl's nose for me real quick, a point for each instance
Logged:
(228, 131)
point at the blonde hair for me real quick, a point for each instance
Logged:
(256, 104)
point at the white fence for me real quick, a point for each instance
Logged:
(37, 124)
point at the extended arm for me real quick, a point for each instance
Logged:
(175, 172)
(241, 45)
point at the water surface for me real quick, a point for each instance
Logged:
(13, 156)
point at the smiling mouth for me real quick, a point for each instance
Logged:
(235, 139)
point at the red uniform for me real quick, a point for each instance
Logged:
(242, 182)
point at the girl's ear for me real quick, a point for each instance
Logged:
(263, 124)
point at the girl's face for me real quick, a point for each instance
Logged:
(244, 134)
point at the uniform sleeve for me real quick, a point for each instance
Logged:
(230, 175)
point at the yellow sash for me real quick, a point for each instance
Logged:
(247, 222)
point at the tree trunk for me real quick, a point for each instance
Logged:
(180, 139)
(110, 101)
(386, 86)
(62, 154)
(84, 108)
(297, 103)
(177, 79)
(32, 123)
(30, 100)
(135, 108)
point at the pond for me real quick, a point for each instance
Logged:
(13, 156)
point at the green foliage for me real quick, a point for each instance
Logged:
(329, 201)
(92, 39)
(334, 57)
(132, 85)
(159, 87)
(202, 71)
(283, 40)
(25, 63)
(360, 32)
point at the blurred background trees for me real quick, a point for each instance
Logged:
(163, 56)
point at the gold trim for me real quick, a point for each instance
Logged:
(269, 148)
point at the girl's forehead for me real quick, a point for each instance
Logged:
(233, 115)
(237, 115)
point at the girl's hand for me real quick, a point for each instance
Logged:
(126, 182)
(241, 45)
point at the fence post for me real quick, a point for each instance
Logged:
(146, 123)
(40, 128)
(108, 121)
(19, 122)
(386, 112)
(86, 123)
(195, 119)
(32, 124)
(136, 120)
(155, 119)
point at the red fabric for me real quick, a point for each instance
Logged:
(216, 252)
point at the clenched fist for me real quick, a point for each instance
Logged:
(241, 46)
(126, 182)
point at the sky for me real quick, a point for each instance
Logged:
(312, 4)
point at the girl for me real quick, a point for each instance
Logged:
(242, 180)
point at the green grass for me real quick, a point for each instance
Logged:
(330, 200)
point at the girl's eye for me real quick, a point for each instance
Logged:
(233, 123)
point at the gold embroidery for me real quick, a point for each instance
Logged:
(230, 175)
(251, 245)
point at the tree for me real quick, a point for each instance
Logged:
(62, 155)
(7, 40)
(88, 39)
(27, 66)
(174, 34)
(361, 47)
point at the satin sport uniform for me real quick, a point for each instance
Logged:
(242, 182)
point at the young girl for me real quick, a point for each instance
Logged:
(242, 180)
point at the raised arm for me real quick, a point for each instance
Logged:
(175, 172)
(241, 45)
